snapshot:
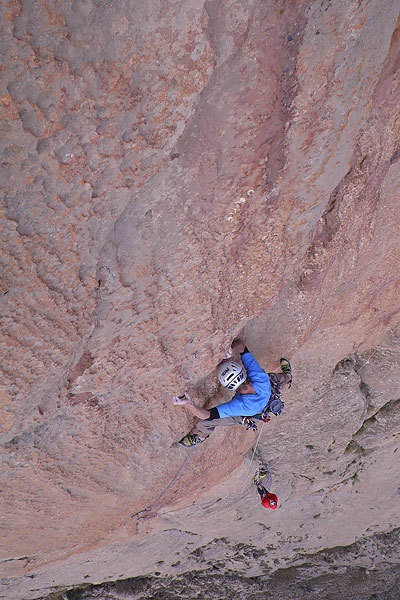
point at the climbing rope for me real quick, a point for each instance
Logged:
(377, 348)
(149, 509)
(145, 513)
(256, 444)
(255, 450)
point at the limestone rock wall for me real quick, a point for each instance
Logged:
(174, 174)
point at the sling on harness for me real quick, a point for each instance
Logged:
(262, 476)
(249, 423)
(275, 404)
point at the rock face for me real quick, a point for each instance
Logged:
(175, 174)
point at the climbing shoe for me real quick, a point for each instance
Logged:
(286, 369)
(249, 423)
(190, 440)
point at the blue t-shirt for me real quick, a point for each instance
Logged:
(249, 404)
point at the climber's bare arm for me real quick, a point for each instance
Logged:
(197, 411)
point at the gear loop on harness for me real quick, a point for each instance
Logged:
(262, 476)
(275, 404)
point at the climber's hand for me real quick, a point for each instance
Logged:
(238, 346)
(181, 400)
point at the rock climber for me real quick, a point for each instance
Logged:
(262, 475)
(257, 394)
(268, 500)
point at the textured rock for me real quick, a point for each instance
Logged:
(330, 574)
(174, 174)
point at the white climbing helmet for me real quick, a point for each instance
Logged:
(231, 374)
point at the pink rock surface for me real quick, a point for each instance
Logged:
(173, 177)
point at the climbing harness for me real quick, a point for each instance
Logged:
(262, 477)
(275, 404)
